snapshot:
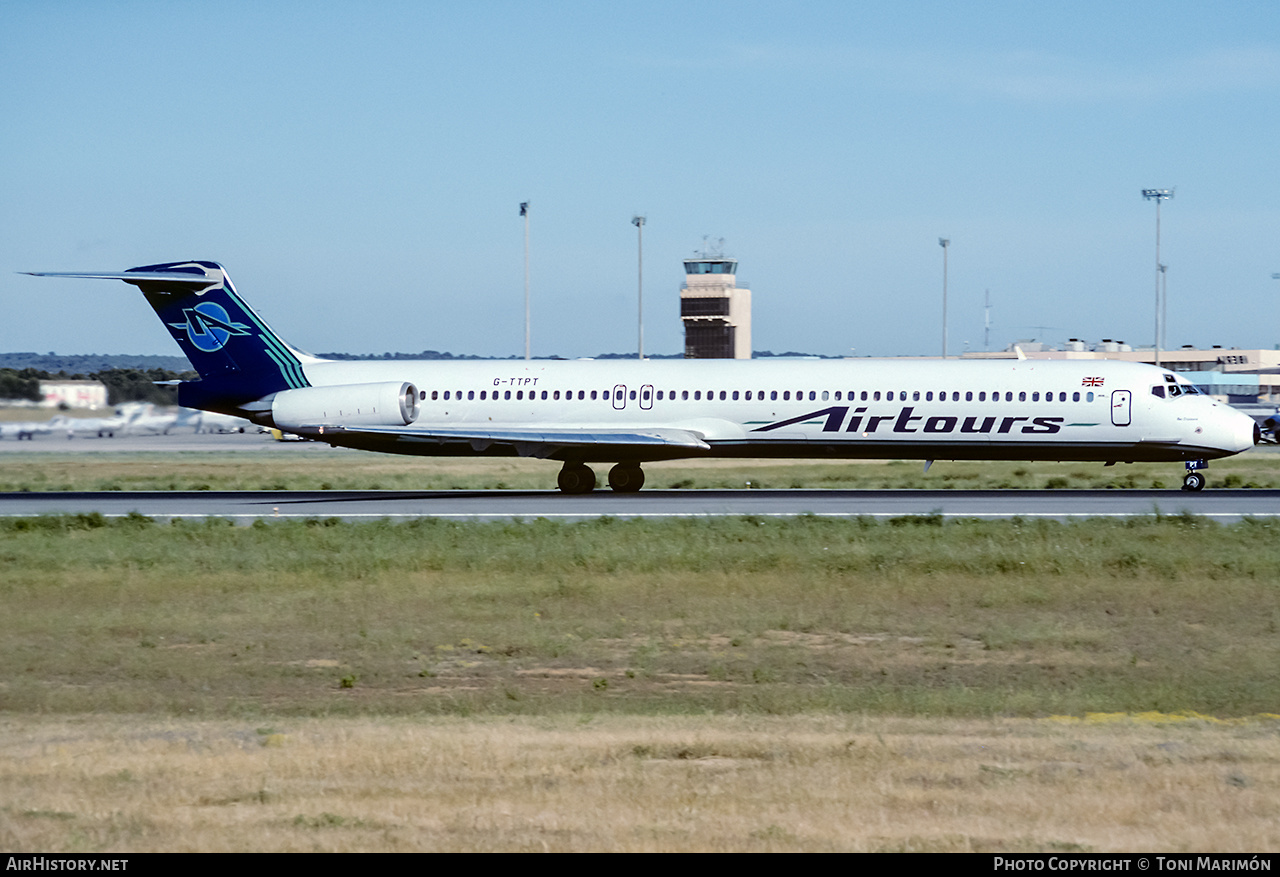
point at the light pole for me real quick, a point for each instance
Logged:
(524, 211)
(638, 222)
(1276, 276)
(1158, 195)
(944, 243)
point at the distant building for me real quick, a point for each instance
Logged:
(73, 394)
(715, 309)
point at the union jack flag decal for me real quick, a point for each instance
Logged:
(1092, 382)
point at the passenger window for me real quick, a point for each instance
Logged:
(915, 396)
(864, 396)
(646, 395)
(632, 395)
(482, 392)
(748, 395)
(1022, 396)
(1008, 396)
(722, 395)
(603, 395)
(874, 396)
(968, 395)
(928, 396)
(697, 395)
(593, 395)
(735, 395)
(786, 395)
(471, 394)
(773, 395)
(837, 395)
(506, 394)
(684, 394)
(520, 395)
(825, 395)
(435, 394)
(423, 397)
(1035, 397)
(446, 395)
(955, 395)
(812, 395)
(1088, 397)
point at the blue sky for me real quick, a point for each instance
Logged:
(358, 169)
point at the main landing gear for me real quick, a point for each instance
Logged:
(1194, 479)
(577, 478)
(626, 477)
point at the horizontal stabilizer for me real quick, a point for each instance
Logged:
(184, 278)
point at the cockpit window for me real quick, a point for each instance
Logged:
(1157, 391)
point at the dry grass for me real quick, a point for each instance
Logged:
(813, 783)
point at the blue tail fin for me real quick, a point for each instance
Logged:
(237, 355)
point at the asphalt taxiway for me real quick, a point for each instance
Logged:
(247, 506)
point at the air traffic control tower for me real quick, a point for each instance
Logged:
(716, 311)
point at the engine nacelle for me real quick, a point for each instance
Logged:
(392, 403)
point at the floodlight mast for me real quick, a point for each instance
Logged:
(944, 243)
(638, 222)
(524, 211)
(1276, 276)
(1158, 195)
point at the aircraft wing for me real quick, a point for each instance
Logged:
(535, 441)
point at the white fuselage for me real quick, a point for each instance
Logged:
(925, 409)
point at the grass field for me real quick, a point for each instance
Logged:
(914, 616)
(735, 684)
(320, 468)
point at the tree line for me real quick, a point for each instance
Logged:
(123, 384)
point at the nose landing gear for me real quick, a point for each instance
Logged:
(1194, 479)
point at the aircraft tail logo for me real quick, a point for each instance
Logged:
(208, 326)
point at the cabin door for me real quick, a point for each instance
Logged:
(646, 396)
(620, 396)
(1121, 407)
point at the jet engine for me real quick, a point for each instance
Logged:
(391, 403)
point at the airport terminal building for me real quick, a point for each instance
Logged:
(1232, 374)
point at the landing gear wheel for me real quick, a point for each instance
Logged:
(576, 479)
(1193, 481)
(626, 477)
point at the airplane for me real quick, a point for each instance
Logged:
(212, 421)
(145, 418)
(630, 412)
(101, 427)
(28, 429)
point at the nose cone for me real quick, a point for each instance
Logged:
(1241, 431)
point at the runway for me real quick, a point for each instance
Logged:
(492, 505)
